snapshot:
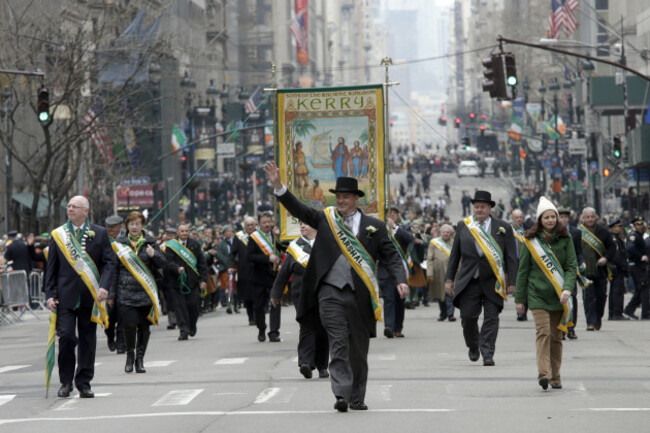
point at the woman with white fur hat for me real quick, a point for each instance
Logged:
(545, 281)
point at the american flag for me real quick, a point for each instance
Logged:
(254, 101)
(98, 135)
(562, 18)
(297, 28)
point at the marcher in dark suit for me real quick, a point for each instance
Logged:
(114, 332)
(67, 293)
(186, 300)
(164, 283)
(313, 352)
(264, 270)
(638, 257)
(620, 271)
(394, 306)
(474, 287)
(239, 264)
(576, 237)
(18, 253)
(348, 307)
(597, 254)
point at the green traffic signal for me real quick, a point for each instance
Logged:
(43, 116)
(510, 67)
(511, 80)
(43, 105)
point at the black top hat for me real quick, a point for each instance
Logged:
(347, 184)
(483, 196)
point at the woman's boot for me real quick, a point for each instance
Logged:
(129, 340)
(143, 341)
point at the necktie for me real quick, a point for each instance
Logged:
(77, 232)
(348, 220)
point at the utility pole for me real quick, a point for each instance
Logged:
(386, 62)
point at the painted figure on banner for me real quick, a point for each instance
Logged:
(317, 199)
(302, 171)
(356, 155)
(364, 162)
(340, 157)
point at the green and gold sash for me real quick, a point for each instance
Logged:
(518, 231)
(441, 245)
(592, 240)
(141, 273)
(83, 265)
(548, 263)
(298, 253)
(184, 253)
(359, 259)
(407, 261)
(492, 252)
(243, 237)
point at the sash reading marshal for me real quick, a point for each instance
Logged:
(357, 255)
(492, 252)
(298, 253)
(84, 266)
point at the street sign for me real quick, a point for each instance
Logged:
(535, 145)
(226, 150)
(574, 174)
(136, 181)
(591, 120)
(593, 167)
(577, 146)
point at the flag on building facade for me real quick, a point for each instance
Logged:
(300, 31)
(98, 135)
(179, 140)
(562, 19)
(254, 101)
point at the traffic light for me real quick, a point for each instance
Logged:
(457, 122)
(472, 116)
(511, 69)
(494, 82)
(616, 150)
(43, 105)
(482, 130)
(466, 144)
(606, 172)
(442, 121)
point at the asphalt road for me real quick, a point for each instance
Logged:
(223, 380)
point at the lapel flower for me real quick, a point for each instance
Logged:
(91, 234)
(502, 230)
(370, 230)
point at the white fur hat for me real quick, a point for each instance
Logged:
(544, 205)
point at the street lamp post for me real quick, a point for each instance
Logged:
(188, 83)
(6, 112)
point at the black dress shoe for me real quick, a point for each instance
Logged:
(398, 334)
(452, 319)
(305, 370)
(111, 345)
(473, 354)
(556, 385)
(341, 404)
(65, 390)
(86, 392)
(323, 374)
(572, 335)
(261, 336)
(488, 362)
(121, 350)
(388, 333)
(171, 326)
(632, 316)
(193, 333)
(599, 324)
(620, 318)
(543, 382)
(441, 319)
(183, 336)
(274, 339)
(358, 405)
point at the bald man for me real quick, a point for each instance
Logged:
(78, 248)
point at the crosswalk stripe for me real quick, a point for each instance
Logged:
(384, 392)
(68, 404)
(178, 398)
(230, 361)
(154, 364)
(6, 398)
(12, 367)
(384, 357)
(276, 395)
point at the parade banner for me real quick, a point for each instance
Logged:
(326, 133)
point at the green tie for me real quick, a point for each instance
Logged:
(77, 232)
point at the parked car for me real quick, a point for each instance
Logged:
(468, 168)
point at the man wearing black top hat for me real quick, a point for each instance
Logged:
(333, 283)
(638, 257)
(475, 286)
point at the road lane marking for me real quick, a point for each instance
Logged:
(385, 357)
(276, 395)
(70, 403)
(230, 361)
(266, 395)
(178, 398)
(154, 364)
(209, 413)
(384, 392)
(616, 409)
(294, 359)
(12, 368)
(6, 398)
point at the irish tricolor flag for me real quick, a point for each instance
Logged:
(178, 140)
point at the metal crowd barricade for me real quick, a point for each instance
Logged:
(15, 294)
(36, 288)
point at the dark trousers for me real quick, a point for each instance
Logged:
(641, 295)
(446, 307)
(595, 298)
(616, 295)
(470, 302)
(262, 294)
(250, 309)
(313, 345)
(187, 309)
(68, 323)
(393, 306)
(348, 341)
(114, 331)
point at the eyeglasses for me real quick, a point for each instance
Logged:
(72, 206)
